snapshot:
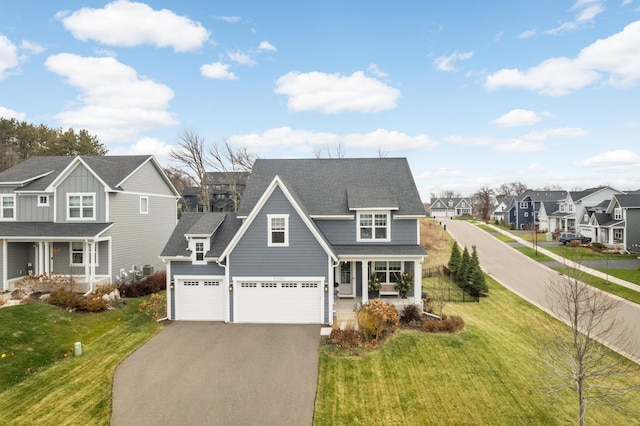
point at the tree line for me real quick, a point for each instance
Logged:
(20, 140)
(466, 271)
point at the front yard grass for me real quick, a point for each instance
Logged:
(630, 275)
(491, 373)
(38, 385)
(537, 256)
(602, 284)
(584, 253)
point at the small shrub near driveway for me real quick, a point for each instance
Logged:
(152, 284)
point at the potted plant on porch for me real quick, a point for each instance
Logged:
(404, 284)
(374, 286)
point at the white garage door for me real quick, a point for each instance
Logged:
(200, 299)
(278, 301)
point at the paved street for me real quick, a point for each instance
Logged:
(524, 276)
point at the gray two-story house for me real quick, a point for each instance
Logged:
(307, 231)
(89, 218)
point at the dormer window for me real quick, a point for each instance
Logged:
(450, 203)
(199, 252)
(373, 226)
(199, 247)
(278, 232)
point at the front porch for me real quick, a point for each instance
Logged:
(345, 310)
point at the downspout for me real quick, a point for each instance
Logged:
(229, 286)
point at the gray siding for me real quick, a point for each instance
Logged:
(80, 180)
(303, 257)
(28, 210)
(633, 230)
(138, 238)
(62, 260)
(2, 242)
(18, 254)
(147, 180)
(186, 268)
(343, 232)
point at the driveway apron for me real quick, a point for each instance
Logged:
(211, 373)
(528, 278)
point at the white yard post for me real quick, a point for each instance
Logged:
(365, 282)
(417, 284)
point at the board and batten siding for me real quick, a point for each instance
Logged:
(187, 268)
(137, 238)
(18, 254)
(80, 180)
(29, 211)
(303, 257)
(633, 230)
(147, 180)
(344, 232)
(3, 284)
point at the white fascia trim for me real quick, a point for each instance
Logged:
(333, 217)
(145, 194)
(275, 183)
(373, 209)
(406, 258)
(409, 216)
(71, 167)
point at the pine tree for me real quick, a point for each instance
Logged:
(477, 279)
(454, 260)
(465, 270)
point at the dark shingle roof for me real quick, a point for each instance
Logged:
(628, 200)
(321, 184)
(225, 226)
(543, 195)
(112, 169)
(362, 198)
(52, 230)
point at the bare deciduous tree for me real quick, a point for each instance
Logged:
(440, 294)
(232, 161)
(483, 202)
(336, 151)
(510, 189)
(574, 357)
(190, 154)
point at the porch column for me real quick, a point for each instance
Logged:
(46, 254)
(92, 264)
(41, 258)
(417, 283)
(365, 282)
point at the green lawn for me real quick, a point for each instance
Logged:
(38, 385)
(602, 284)
(584, 253)
(630, 275)
(490, 373)
(527, 251)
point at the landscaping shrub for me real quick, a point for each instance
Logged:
(347, 339)
(155, 307)
(574, 243)
(92, 304)
(101, 290)
(598, 246)
(152, 284)
(77, 302)
(411, 313)
(376, 317)
(449, 325)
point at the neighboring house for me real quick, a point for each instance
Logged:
(523, 210)
(307, 231)
(544, 221)
(573, 209)
(225, 192)
(450, 207)
(619, 226)
(93, 218)
(500, 212)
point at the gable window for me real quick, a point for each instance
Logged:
(450, 203)
(144, 205)
(278, 232)
(617, 213)
(373, 227)
(8, 207)
(81, 206)
(388, 272)
(43, 200)
(570, 208)
(524, 205)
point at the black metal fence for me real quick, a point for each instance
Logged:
(453, 291)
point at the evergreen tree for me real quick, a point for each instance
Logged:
(477, 279)
(454, 260)
(466, 268)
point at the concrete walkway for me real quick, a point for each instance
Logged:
(211, 373)
(529, 279)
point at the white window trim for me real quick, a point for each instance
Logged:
(617, 213)
(85, 250)
(373, 230)
(388, 271)
(524, 204)
(13, 197)
(81, 195)
(40, 203)
(270, 242)
(143, 211)
(192, 247)
(526, 214)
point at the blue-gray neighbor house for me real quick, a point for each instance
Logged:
(307, 231)
(87, 217)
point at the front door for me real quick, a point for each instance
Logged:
(347, 280)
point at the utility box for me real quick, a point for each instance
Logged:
(147, 270)
(77, 349)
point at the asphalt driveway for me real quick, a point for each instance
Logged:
(211, 373)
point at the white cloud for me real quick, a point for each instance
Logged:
(145, 146)
(307, 141)
(241, 58)
(334, 93)
(586, 11)
(217, 70)
(615, 55)
(376, 71)
(447, 63)
(517, 117)
(229, 19)
(8, 114)
(124, 23)
(8, 56)
(265, 45)
(115, 103)
(528, 34)
(613, 161)
(31, 47)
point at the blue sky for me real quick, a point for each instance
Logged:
(473, 93)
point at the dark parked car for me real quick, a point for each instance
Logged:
(566, 237)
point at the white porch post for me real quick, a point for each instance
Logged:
(41, 258)
(92, 265)
(46, 253)
(365, 282)
(417, 284)
(86, 252)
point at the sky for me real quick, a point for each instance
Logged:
(474, 93)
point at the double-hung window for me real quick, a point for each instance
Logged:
(81, 206)
(388, 272)
(8, 211)
(617, 213)
(77, 253)
(199, 251)
(373, 227)
(278, 232)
